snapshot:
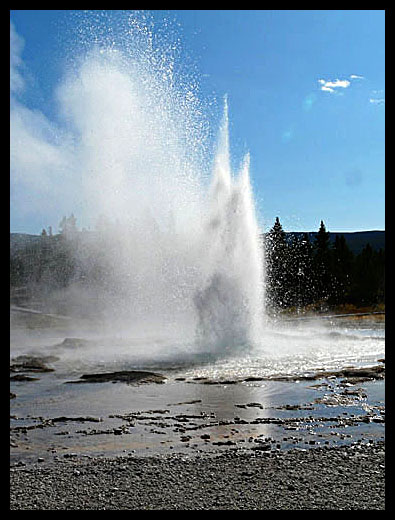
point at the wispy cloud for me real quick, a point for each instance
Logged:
(334, 86)
(379, 101)
(17, 44)
(377, 97)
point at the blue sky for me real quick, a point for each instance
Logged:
(306, 93)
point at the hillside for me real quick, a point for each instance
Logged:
(356, 241)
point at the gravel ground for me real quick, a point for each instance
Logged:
(348, 477)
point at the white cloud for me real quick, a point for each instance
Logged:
(41, 153)
(35, 155)
(330, 86)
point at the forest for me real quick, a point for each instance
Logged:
(301, 272)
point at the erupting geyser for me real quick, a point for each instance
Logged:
(174, 248)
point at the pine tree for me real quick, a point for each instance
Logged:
(300, 280)
(276, 265)
(68, 226)
(342, 267)
(322, 265)
(368, 277)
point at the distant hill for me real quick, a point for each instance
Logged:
(356, 241)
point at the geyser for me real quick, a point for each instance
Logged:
(175, 249)
(230, 299)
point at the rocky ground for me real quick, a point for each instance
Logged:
(343, 477)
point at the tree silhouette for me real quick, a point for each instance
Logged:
(68, 226)
(322, 265)
(276, 260)
(299, 277)
(342, 267)
(368, 277)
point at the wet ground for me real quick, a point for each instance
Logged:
(99, 424)
(54, 417)
(64, 405)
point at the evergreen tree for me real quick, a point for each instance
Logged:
(380, 260)
(276, 265)
(300, 280)
(342, 268)
(322, 265)
(368, 277)
(68, 226)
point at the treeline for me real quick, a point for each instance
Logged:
(301, 272)
(47, 264)
(42, 264)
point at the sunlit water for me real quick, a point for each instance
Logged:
(285, 349)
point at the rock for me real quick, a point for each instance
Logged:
(86, 418)
(32, 364)
(252, 379)
(219, 382)
(74, 343)
(262, 447)
(23, 377)
(126, 376)
(376, 372)
(355, 374)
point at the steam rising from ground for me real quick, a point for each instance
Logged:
(175, 247)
